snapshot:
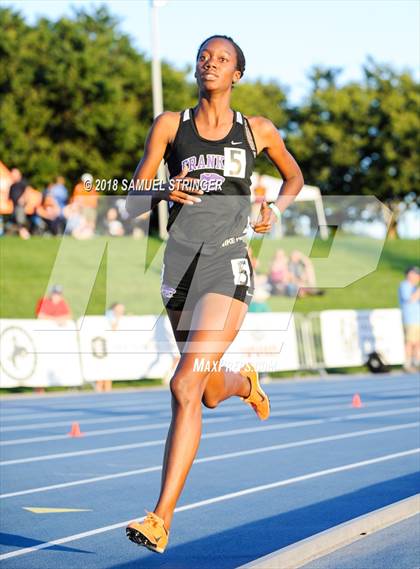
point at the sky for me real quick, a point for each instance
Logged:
(281, 39)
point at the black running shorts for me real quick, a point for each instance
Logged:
(187, 275)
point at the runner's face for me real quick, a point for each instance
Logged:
(216, 66)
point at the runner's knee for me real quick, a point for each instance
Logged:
(186, 389)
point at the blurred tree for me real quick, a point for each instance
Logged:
(76, 96)
(362, 138)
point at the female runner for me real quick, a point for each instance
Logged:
(207, 278)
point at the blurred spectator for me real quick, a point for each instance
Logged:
(141, 225)
(73, 216)
(53, 306)
(16, 192)
(31, 199)
(6, 204)
(302, 275)
(112, 224)
(18, 185)
(114, 314)
(86, 229)
(76, 224)
(123, 214)
(409, 299)
(279, 276)
(85, 195)
(59, 192)
(301, 272)
(50, 214)
(138, 226)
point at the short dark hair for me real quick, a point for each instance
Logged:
(412, 269)
(240, 58)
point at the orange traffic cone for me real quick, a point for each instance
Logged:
(356, 402)
(75, 430)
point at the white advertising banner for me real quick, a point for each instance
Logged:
(38, 353)
(349, 336)
(267, 340)
(142, 346)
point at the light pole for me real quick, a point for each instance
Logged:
(158, 103)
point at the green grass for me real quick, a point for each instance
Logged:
(94, 274)
(98, 272)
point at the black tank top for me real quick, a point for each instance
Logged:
(224, 168)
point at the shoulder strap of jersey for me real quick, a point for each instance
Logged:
(250, 137)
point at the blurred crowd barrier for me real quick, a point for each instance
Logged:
(41, 353)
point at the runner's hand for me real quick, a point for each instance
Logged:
(183, 189)
(265, 219)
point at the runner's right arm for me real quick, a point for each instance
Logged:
(160, 135)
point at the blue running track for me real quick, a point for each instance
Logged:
(255, 486)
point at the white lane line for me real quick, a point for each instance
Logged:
(114, 400)
(153, 426)
(348, 406)
(212, 458)
(88, 419)
(141, 403)
(67, 409)
(161, 407)
(224, 433)
(301, 409)
(156, 406)
(103, 409)
(221, 498)
(117, 448)
(164, 405)
(357, 416)
(31, 427)
(85, 421)
(96, 433)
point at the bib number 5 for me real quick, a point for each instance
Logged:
(235, 162)
(241, 272)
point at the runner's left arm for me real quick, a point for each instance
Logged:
(270, 141)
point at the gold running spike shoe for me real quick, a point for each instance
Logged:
(257, 398)
(150, 533)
